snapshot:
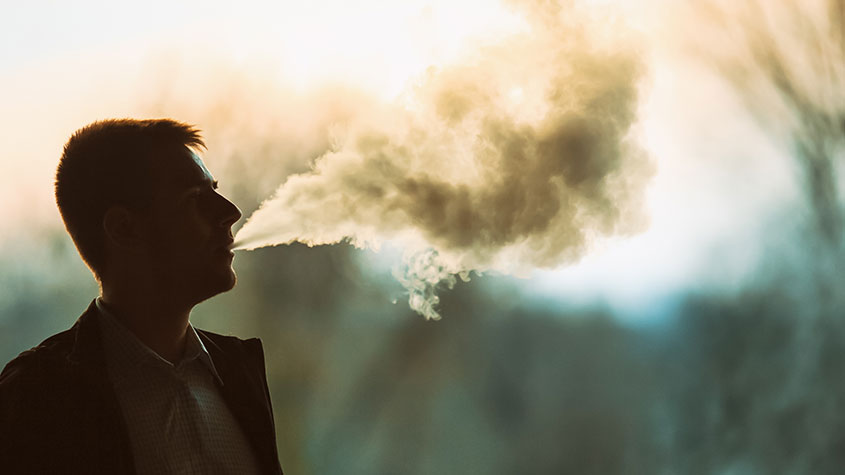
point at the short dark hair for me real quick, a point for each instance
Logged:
(110, 162)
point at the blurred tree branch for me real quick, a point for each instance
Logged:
(787, 62)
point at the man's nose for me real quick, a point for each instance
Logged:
(229, 213)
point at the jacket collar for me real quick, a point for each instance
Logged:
(87, 347)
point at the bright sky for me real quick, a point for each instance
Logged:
(63, 64)
(306, 40)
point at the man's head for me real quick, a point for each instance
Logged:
(137, 200)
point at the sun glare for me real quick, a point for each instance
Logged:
(375, 45)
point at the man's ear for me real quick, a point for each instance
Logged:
(123, 228)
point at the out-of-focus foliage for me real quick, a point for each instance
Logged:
(360, 385)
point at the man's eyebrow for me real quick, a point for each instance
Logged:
(203, 183)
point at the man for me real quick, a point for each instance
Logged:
(133, 387)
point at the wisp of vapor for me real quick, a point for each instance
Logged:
(514, 159)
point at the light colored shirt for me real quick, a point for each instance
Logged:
(177, 420)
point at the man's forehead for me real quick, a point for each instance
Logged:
(199, 163)
(185, 170)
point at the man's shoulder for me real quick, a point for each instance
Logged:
(50, 358)
(39, 386)
(40, 359)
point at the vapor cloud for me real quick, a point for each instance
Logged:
(516, 158)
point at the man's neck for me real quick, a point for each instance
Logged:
(163, 328)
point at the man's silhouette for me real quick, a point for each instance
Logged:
(133, 387)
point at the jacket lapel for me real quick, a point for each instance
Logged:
(97, 398)
(244, 393)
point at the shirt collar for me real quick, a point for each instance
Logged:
(122, 345)
(194, 348)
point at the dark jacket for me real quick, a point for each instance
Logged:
(59, 413)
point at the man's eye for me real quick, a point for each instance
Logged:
(200, 193)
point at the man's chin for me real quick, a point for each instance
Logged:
(217, 283)
(232, 282)
(227, 281)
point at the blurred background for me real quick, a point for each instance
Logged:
(712, 341)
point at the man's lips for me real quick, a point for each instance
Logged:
(226, 245)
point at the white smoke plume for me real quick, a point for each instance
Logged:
(516, 158)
